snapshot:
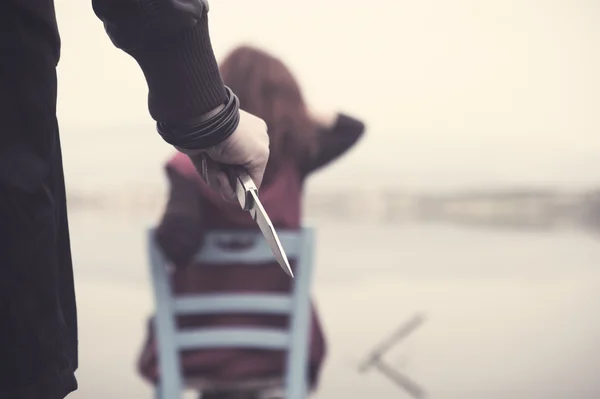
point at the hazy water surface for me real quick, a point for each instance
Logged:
(509, 314)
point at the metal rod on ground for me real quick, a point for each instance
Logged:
(403, 381)
(374, 358)
(402, 332)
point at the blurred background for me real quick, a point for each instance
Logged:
(473, 198)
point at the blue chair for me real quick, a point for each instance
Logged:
(298, 245)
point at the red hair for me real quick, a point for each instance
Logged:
(266, 88)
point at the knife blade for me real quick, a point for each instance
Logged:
(247, 196)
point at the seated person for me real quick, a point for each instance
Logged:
(301, 143)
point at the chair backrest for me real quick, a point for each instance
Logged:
(299, 245)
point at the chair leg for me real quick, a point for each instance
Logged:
(158, 393)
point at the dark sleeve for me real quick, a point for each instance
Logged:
(180, 232)
(170, 41)
(334, 142)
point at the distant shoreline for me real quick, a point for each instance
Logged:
(499, 208)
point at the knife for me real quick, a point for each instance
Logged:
(247, 196)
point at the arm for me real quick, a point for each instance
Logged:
(180, 231)
(337, 134)
(170, 41)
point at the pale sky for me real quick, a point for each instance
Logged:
(454, 93)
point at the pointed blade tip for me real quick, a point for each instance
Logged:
(287, 269)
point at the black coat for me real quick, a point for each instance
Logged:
(38, 319)
(38, 327)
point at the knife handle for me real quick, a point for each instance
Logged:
(243, 185)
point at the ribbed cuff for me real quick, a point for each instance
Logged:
(182, 75)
